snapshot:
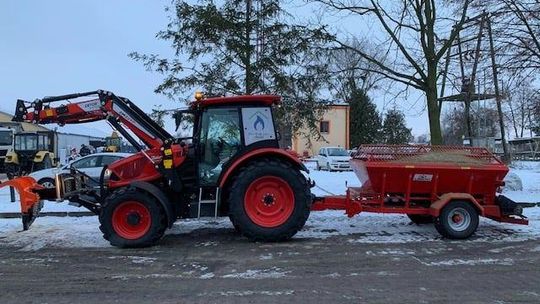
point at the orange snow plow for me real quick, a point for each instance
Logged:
(31, 202)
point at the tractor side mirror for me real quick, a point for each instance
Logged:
(177, 120)
(180, 117)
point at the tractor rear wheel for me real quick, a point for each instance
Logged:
(269, 201)
(132, 218)
(420, 219)
(457, 220)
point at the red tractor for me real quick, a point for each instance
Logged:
(231, 165)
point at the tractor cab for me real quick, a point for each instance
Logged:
(226, 128)
(113, 143)
(32, 151)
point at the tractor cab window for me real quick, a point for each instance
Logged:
(26, 142)
(43, 142)
(219, 141)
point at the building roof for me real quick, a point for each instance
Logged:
(524, 139)
(5, 121)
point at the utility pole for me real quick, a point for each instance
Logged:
(506, 157)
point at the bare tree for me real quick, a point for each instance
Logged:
(521, 28)
(350, 70)
(519, 105)
(417, 35)
(484, 123)
(516, 29)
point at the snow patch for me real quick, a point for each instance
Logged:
(243, 293)
(391, 252)
(207, 276)
(331, 275)
(512, 182)
(499, 250)
(141, 259)
(472, 262)
(268, 256)
(271, 273)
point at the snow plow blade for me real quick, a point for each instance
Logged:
(31, 203)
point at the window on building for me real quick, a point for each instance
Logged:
(324, 127)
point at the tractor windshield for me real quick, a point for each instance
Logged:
(6, 138)
(30, 142)
(220, 140)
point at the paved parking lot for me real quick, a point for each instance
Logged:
(217, 266)
(369, 258)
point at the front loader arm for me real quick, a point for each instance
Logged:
(120, 112)
(104, 105)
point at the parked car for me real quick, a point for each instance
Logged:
(92, 165)
(333, 158)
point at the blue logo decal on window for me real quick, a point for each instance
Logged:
(258, 122)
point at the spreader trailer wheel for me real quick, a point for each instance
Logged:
(132, 218)
(457, 220)
(269, 201)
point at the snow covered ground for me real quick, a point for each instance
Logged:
(364, 228)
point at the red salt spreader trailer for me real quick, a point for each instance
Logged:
(447, 186)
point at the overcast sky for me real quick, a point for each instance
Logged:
(63, 46)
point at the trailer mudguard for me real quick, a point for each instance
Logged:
(160, 196)
(270, 152)
(436, 207)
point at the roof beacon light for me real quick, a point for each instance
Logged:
(199, 96)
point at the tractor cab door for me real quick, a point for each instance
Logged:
(219, 140)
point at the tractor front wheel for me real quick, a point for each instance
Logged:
(457, 220)
(132, 218)
(269, 201)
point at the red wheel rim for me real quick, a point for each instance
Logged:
(131, 220)
(269, 201)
